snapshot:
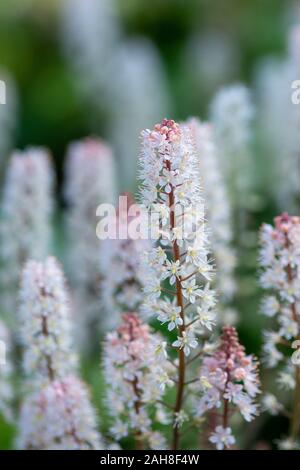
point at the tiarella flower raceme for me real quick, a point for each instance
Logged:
(179, 271)
(90, 181)
(280, 276)
(120, 264)
(146, 94)
(279, 120)
(218, 215)
(137, 373)
(45, 323)
(232, 114)
(26, 208)
(59, 416)
(8, 115)
(6, 390)
(92, 35)
(228, 381)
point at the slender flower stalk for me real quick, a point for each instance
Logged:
(218, 210)
(26, 208)
(121, 268)
(90, 181)
(176, 266)
(279, 258)
(45, 324)
(59, 417)
(137, 373)
(229, 380)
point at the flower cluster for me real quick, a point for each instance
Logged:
(279, 122)
(6, 391)
(228, 378)
(26, 208)
(170, 175)
(8, 115)
(179, 271)
(45, 323)
(59, 417)
(218, 212)
(232, 114)
(90, 181)
(136, 372)
(279, 258)
(146, 94)
(121, 270)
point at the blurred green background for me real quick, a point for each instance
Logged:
(51, 112)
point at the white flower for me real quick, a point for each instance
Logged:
(185, 342)
(270, 306)
(271, 404)
(180, 418)
(164, 380)
(162, 349)
(288, 443)
(286, 380)
(222, 438)
(206, 318)
(119, 429)
(173, 270)
(156, 440)
(246, 407)
(153, 289)
(191, 290)
(171, 314)
(208, 297)
(233, 392)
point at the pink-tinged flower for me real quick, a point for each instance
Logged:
(137, 373)
(222, 438)
(232, 377)
(59, 417)
(280, 262)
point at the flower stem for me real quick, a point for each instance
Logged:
(295, 419)
(179, 296)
